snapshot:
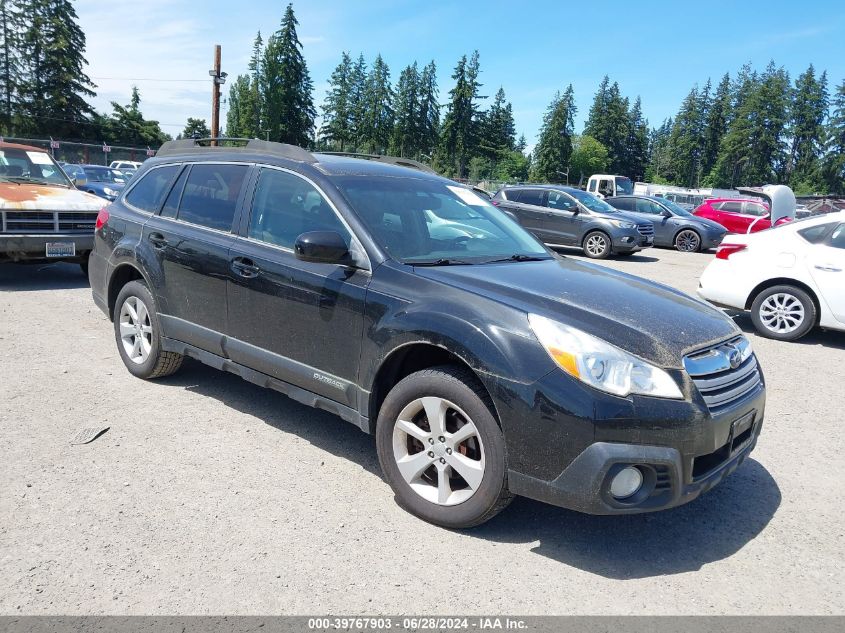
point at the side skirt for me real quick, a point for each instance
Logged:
(263, 380)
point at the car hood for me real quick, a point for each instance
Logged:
(621, 215)
(34, 197)
(650, 320)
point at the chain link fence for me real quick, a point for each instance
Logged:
(85, 153)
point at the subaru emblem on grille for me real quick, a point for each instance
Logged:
(734, 356)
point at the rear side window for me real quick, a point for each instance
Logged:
(285, 206)
(815, 234)
(731, 207)
(149, 192)
(626, 204)
(211, 195)
(531, 196)
(171, 205)
(752, 208)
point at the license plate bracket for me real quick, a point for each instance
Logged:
(60, 249)
(740, 430)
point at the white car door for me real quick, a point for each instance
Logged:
(827, 266)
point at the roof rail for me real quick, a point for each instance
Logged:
(193, 145)
(391, 160)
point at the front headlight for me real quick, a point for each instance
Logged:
(600, 364)
(623, 225)
(110, 192)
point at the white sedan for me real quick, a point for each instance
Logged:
(790, 278)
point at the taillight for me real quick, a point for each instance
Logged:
(726, 250)
(102, 218)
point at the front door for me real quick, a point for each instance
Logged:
(299, 322)
(191, 237)
(827, 266)
(562, 223)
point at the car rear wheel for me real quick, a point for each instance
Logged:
(785, 313)
(138, 334)
(597, 245)
(688, 241)
(441, 449)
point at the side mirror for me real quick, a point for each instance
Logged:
(322, 247)
(574, 208)
(666, 213)
(80, 182)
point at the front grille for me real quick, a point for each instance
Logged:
(646, 229)
(47, 221)
(720, 384)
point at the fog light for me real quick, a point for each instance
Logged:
(626, 483)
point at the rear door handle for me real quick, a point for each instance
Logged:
(828, 268)
(245, 267)
(157, 239)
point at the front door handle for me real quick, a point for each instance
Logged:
(157, 240)
(245, 267)
(828, 268)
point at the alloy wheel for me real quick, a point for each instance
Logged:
(438, 451)
(136, 330)
(782, 313)
(687, 241)
(595, 245)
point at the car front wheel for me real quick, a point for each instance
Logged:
(785, 313)
(441, 449)
(597, 245)
(688, 241)
(138, 334)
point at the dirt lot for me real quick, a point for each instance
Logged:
(209, 495)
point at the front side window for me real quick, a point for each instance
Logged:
(837, 240)
(419, 221)
(591, 202)
(560, 201)
(647, 206)
(755, 209)
(285, 206)
(211, 195)
(149, 192)
(592, 187)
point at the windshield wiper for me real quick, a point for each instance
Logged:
(519, 257)
(39, 181)
(441, 262)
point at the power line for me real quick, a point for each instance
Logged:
(145, 79)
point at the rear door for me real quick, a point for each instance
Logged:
(300, 322)
(827, 266)
(191, 237)
(528, 207)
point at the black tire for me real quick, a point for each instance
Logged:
(766, 321)
(597, 238)
(625, 253)
(463, 389)
(158, 363)
(687, 241)
(83, 265)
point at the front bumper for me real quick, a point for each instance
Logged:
(568, 456)
(33, 247)
(626, 241)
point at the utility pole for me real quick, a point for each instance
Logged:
(218, 78)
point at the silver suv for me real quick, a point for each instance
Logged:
(564, 216)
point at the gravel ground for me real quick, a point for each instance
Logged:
(209, 495)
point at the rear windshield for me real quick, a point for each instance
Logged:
(19, 165)
(418, 220)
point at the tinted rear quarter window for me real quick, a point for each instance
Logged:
(171, 205)
(730, 207)
(149, 192)
(531, 196)
(211, 195)
(626, 204)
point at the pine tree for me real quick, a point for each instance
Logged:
(637, 145)
(250, 118)
(521, 144)
(833, 166)
(287, 105)
(497, 130)
(195, 128)
(337, 115)
(9, 61)
(239, 111)
(687, 142)
(127, 124)
(406, 139)
(608, 123)
(377, 122)
(658, 152)
(808, 111)
(428, 123)
(460, 124)
(554, 148)
(716, 123)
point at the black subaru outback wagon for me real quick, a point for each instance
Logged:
(485, 365)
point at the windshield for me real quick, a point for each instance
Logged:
(103, 174)
(591, 202)
(675, 208)
(624, 186)
(427, 221)
(20, 165)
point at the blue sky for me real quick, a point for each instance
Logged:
(657, 50)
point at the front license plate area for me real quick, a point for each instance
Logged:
(741, 431)
(60, 249)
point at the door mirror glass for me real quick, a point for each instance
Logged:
(80, 181)
(666, 213)
(322, 247)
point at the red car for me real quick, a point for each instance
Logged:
(738, 215)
